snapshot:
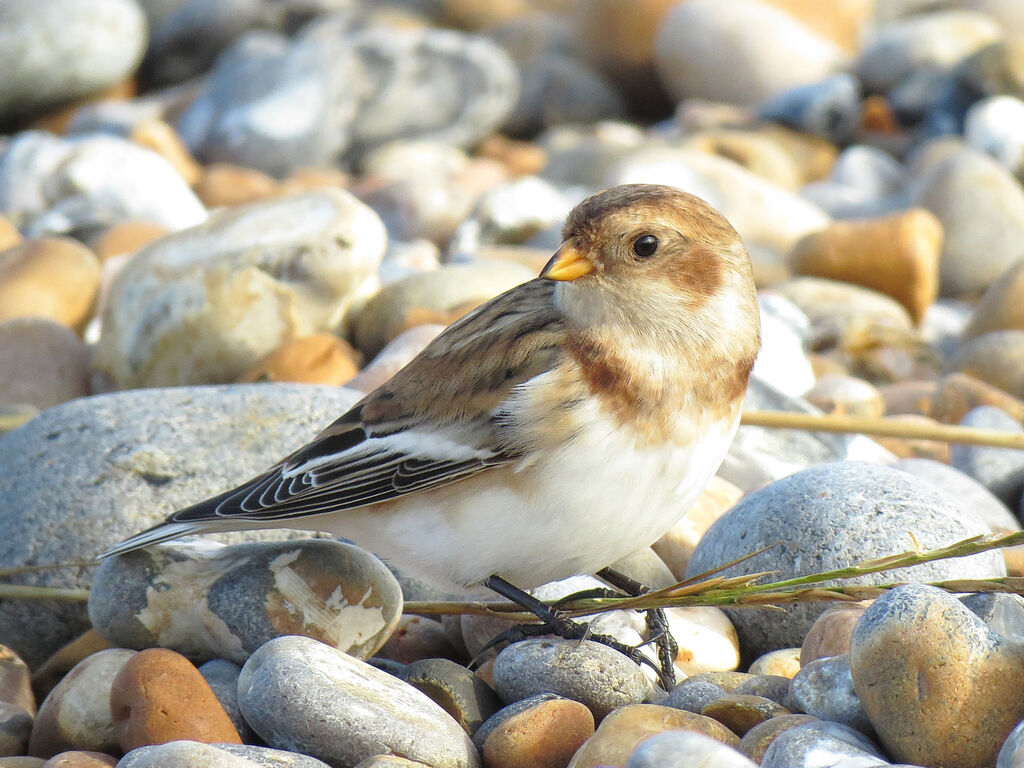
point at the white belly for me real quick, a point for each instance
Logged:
(573, 511)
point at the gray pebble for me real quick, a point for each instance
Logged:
(15, 728)
(693, 696)
(462, 694)
(222, 677)
(824, 688)
(831, 516)
(829, 108)
(813, 745)
(1003, 612)
(302, 695)
(774, 687)
(1000, 470)
(588, 672)
(1011, 755)
(683, 749)
(968, 492)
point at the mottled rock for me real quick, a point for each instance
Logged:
(208, 601)
(693, 695)
(588, 672)
(125, 466)
(159, 696)
(88, 47)
(831, 516)
(937, 684)
(205, 304)
(348, 711)
(76, 713)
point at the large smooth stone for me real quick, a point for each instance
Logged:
(828, 517)
(206, 304)
(347, 710)
(939, 686)
(61, 50)
(210, 601)
(127, 461)
(741, 52)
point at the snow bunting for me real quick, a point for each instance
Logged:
(555, 429)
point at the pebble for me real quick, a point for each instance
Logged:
(159, 136)
(679, 749)
(992, 126)
(1000, 470)
(824, 688)
(1001, 306)
(542, 731)
(829, 108)
(130, 443)
(389, 761)
(89, 47)
(593, 674)
(126, 237)
(897, 255)
(831, 516)
(830, 633)
(756, 741)
(319, 358)
(813, 744)
(438, 297)
(996, 358)
(768, 686)
(76, 715)
(957, 394)
(56, 186)
(416, 638)
(194, 754)
(348, 710)
(627, 727)
(209, 601)
(782, 362)
(707, 49)
(1002, 612)
(981, 208)
(205, 304)
(693, 695)
(846, 396)
(1011, 754)
(782, 662)
(994, 69)
(928, 41)
(675, 547)
(460, 693)
(15, 729)
(9, 234)
(53, 278)
(936, 682)
(159, 696)
(81, 759)
(967, 490)
(740, 712)
(222, 185)
(16, 682)
(45, 363)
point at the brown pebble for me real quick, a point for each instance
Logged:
(676, 546)
(1001, 307)
(158, 136)
(320, 358)
(81, 760)
(159, 696)
(9, 234)
(56, 278)
(624, 728)
(126, 237)
(912, 447)
(846, 396)
(913, 397)
(418, 637)
(830, 634)
(45, 363)
(756, 741)
(16, 681)
(544, 736)
(739, 712)
(309, 179)
(959, 393)
(222, 185)
(877, 116)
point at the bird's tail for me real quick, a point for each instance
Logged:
(154, 535)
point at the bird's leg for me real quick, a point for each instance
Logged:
(554, 622)
(657, 623)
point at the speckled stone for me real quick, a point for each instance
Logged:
(824, 688)
(938, 685)
(756, 741)
(1000, 470)
(208, 601)
(830, 516)
(348, 710)
(821, 743)
(693, 695)
(588, 672)
(625, 728)
(679, 749)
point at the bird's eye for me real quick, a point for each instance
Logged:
(645, 246)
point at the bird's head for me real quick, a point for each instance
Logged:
(659, 262)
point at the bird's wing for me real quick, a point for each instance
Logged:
(438, 420)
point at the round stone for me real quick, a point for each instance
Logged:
(545, 734)
(819, 742)
(996, 358)
(824, 688)
(53, 278)
(159, 696)
(831, 631)
(320, 358)
(756, 741)
(462, 694)
(741, 712)
(832, 516)
(1000, 470)
(45, 363)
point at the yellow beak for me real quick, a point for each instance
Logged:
(567, 264)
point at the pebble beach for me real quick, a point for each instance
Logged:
(223, 222)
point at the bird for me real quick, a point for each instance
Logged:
(553, 430)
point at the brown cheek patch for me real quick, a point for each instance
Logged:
(605, 375)
(699, 274)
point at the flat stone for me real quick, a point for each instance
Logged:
(741, 712)
(348, 711)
